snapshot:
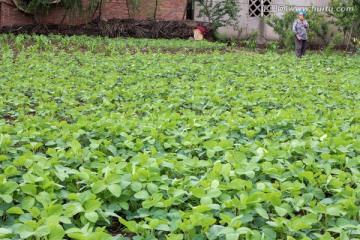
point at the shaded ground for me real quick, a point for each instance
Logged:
(118, 28)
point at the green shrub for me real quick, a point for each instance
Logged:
(356, 43)
(220, 13)
(282, 26)
(40, 8)
(317, 32)
(319, 28)
(272, 46)
(221, 37)
(336, 39)
(347, 21)
(251, 40)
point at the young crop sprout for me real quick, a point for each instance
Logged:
(299, 29)
(19, 41)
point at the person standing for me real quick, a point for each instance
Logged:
(299, 29)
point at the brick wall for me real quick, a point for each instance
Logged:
(171, 9)
(115, 9)
(11, 16)
(166, 10)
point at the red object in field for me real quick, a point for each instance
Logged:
(202, 29)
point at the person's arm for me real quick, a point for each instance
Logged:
(294, 29)
(306, 24)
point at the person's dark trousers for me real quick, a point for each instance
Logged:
(300, 46)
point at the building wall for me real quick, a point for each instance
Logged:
(10, 15)
(166, 10)
(250, 24)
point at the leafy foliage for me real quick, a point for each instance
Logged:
(317, 33)
(348, 21)
(40, 8)
(356, 43)
(282, 26)
(175, 146)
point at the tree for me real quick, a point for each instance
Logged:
(220, 13)
(347, 20)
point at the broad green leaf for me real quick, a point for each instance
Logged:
(44, 198)
(141, 195)
(27, 203)
(8, 188)
(213, 193)
(6, 197)
(56, 232)
(281, 211)
(29, 189)
(42, 231)
(136, 186)
(92, 216)
(163, 227)
(198, 192)
(334, 211)
(262, 212)
(75, 145)
(5, 231)
(25, 231)
(15, 210)
(98, 186)
(115, 189)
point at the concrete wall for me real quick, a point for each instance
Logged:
(251, 24)
(166, 10)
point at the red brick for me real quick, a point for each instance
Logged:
(11, 16)
(166, 10)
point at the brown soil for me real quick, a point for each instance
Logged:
(117, 228)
